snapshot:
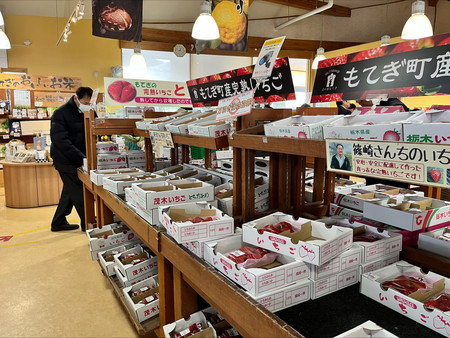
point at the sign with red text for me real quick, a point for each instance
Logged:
(126, 92)
(415, 163)
(235, 106)
(161, 138)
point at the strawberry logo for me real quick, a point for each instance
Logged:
(274, 98)
(130, 236)
(391, 135)
(338, 60)
(203, 80)
(215, 77)
(303, 252)
(438, 322)
(122, 91)
(301, 135)
(436, 175)
(311, 255)
(191, 83)
(244, 71)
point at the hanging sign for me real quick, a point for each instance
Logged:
(235, 106)
(36, 82)
(120, 20)
(423, 164)
(161, 138)
(267, 57)
(411, 68)
(128, 92)
(209, 90)
(49, 99)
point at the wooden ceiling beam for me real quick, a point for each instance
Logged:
(433, 3)
(336, 10)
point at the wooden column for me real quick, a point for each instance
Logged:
(89, 208)
(185, 298)
(166, 296)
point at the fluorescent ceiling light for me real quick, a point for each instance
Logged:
(205, 27)
(319, 57)
(418, 25)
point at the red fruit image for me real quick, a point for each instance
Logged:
(259, 99)
(442, 303)
(405, 284)
(203, 80)
(338, 60)
(274, 98)
(435, 175)
(369, 54)
(215, 77)
(444, 42)
(327, 98)
(391, 135)
(280, 63)
(301, 135)
(244, 71)
(199, 104)
(191, 83)
(228, 75)
(122, 91)
(291, 96)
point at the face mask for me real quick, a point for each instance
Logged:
(84, 107)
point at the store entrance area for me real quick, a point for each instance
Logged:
(50, 286)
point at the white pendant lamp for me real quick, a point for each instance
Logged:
(4, 41)
(137, 59)
(319, 57)
(205, 27)
(385, 40)
(418, 25)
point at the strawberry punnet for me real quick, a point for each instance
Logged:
(405, 284)
(441, 302)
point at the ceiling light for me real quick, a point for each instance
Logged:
(319, 57)
(385, 40)
(4, 41)
(205, 27)
(81, 10)
(418, 26)
(137, 59)
(74, 19)
(2, 22)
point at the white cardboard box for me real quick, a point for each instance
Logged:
(150, 215)
(392, 190)
(261, 188)
(143, 311)
(311, 128)
(285, 297)
(431, 127)
(262, 205)
(226, 164)
(183, 324)
(130, 271)
(108, 237)
(429, 242)
(301, 245)
(367, 330)
(108, 265)
(436, 212)
(342, 183)
(125, 282)
(209, 128)
(224, 154)
(346, 260)
(255, 280)
(356, 198)
(131, 196)
(106, 147)
(118, 184)
(381, 263)
(172, 217)
(336, 210)
(410, 306)
(334, 283)
(210, 179)
(97, 175)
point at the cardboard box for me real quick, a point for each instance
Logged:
(314, 243)
(285, 297)
(182, 324)
(432, 212)
(150, 215)
(261, 188)
(135, 156)
(346, 260)
(130, 271)
(125, 282)
(143, 311)
(410, 306)
(431, 127)
(224, 154)
(308, 127)
(106, 258)
(107, 147)
(262, 163)
(173, 218)
(336, 210)
(97, 175)
(225, 164)
(367, 330)
(210, 179)
(429, 241)
(262, 205)
(111, 235)
(342, 183)
(334, 283)
(131, 196)
(355, 198)
(111, 159)
(180, 126)
(392, 190)
(116, 166)
(284, 271)
(209, 128)
(368, 127)
(225, 199)
(117, 184)
(378, 264)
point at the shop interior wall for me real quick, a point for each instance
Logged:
(81, 56)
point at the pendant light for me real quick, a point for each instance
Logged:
(4, 41)
(137, 59)
(418, 25)
(320, 54)
(205, 27)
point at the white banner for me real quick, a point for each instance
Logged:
(267, 57)
(235, 106)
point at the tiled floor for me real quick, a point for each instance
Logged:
(49, 286)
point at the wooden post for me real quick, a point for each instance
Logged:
(185, 297)
(166, 296)
(89, 210)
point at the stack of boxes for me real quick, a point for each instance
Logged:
(108, 156)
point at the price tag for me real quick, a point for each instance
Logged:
(16, 134)
(38, 104)
(5, 137)
(161, 138)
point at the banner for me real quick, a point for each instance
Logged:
(36, 82)
(231, 17)
(209, 90)
(49, 99)
(423, 164)
(410, 68)
(267, 56)
(121, 20)
(161, 138)
(235, 106)
(129, 92)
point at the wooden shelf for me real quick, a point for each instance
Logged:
(86, 179)
(426, 260)
(28, 118)
(203, 142)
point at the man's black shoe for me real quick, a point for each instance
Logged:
(64, 227)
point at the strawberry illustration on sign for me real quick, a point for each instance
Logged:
(301, 134)
(435, 175)
(203, 80)
(305, 252)
(391, 135)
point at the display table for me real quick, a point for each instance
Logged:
(29, 185)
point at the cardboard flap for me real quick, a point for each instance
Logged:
(179, 215)
(144, 295)
(183, 122)
(120, 229)
(192, 173)
(359, 230)
(188, 185)
(226, 194)
(205, 178)
(161, 188)
(422, 205)
(129, 260)
(271, 265)
(259, 181)
(206, 333)
(422, 296)
(402, 206)
(106, 172)
(103, 233)
(126, 171)
(392, 192)
(304, 235)
(174, 170)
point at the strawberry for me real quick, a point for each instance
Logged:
(280, 63)
(128, 92)
(391, 135)
(115, 90)
(436, 175)
(274, 98)
(228, 75)
(301, 135)
(244, 71)
(404, 284)
(291, 96)
(327, 98)
(369, 54)
(259, 99)
(215, 77)
(338, 60)
(198, 104)
(444, 42)
(203, 80)
(191, 83)
(442, 302)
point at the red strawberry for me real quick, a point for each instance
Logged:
(301, 135)
(327, 98)
(199, 104)
(203, 80)
(338, 60)
(291, 96)
(391, 135)
(128, 93)
(274, 98)
(115, 90)
(244, 71)
(444, 42)
(280, 63)
(435, 175)
(259, 99)
(215, 77)
(228, 74)
(191, 83)
(369, 54)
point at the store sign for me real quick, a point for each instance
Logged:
(121, 20)
(410, 68)
(161, 138)
(423, 164)
(209, 90)
(235, 106)
(35, 82)
(49, 99)
(267, 57)
(128, 92)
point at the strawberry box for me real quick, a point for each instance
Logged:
(195, 222)
(349, 259)
(106, 147)
(387, 127)
(106, 258)
(97, 175)
(393, 191)
(380, 263)
(342, 183)
(150, 215)
(111, 159)
(131, 196)
(306, 127)
(336, 210)
(282, 272)
(282, 298)
(437, 241)
(209, 129)
(333, 283)
(412, 213)
(118, 184)
(367, 330)
(180, 126)
(124, 282)
(109, 236)
(142, 299)
(356, 198)
(412, 305)
(314, 243)
(210, 179)
(431, 127)
(127, 263)
(181, 328)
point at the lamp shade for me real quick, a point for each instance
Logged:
(205, 27)
(137, 60)
(4, 41)
(418, 25)
(319, 57)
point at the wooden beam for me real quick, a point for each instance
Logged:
(336, 10)
(433, 3)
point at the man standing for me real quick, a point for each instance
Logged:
(68, 150)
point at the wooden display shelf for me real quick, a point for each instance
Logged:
(86, 179)
(203, 142)
(115, 123)
(148, 327)
(426, 260)
(29, 118)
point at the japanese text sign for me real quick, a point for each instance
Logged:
(161, 138)
(36, 82)
(235, 106)
(410, 68)
(424, 164)
(267, 57)
(49, 99)
(146, 93)
(209, 90)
